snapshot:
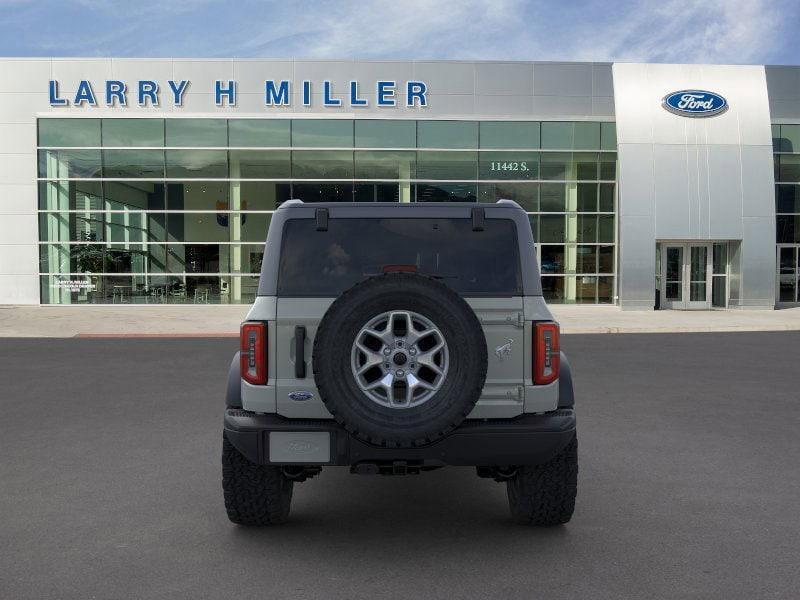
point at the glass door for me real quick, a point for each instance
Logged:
(672, 261)
(788, 275)
(686, 275)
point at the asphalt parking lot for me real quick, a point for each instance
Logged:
(689, 484)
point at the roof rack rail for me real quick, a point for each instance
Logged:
(507, 202)
(292, 202)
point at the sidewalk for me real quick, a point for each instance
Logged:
(223, 320)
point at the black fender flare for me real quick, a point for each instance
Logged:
(233, 394)
(566, 395)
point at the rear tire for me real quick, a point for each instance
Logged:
(544, 495)
(254, 494)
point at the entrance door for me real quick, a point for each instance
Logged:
(686, 276)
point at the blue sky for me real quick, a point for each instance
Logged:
(710, 31)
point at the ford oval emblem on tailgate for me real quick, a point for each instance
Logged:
(300, 396)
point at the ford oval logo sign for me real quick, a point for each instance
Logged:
(695, 103)
(301, 396)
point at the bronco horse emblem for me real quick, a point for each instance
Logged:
(504, 350)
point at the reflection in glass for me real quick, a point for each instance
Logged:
(258, 133)
(197, 133)
(322, 164)
(65, 133)
(64, 164)
(197, 164)
(385, 165)
(132, 164)
(322, 133)
(524, 194)
(447, 134)
(133, 132)
(509, 134)
(447, 192)
(260, 164)
(447, 165)
(384, 133)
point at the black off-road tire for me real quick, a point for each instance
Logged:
(254, 494)
(545, 494)
(408, 427)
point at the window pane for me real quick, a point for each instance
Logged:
(323, 192)
(557, 135)
(70, 195)
(471, 262)
(608, 136)
(585, 166)
(553, 289)
(198, 195)
(447, 165)
(71, 258)
(509, 165)
(447, 192)
(261, 195)
(134, 227)
(322, 133)
(606, 229)
(787, 263)
(134, 258)
(606, 197)
(62, 164)
(790, 138)
(556, 165)
(322, 164)
(509, 134)
(447, 134)
(133, 132)
(197, 163)
(383, 192)
(587, 229)
(605, 290)
(524, 194)
(552, 259)
(255, 226)
(199, 227)
(789, 170)
(125, 195)
(71, 227)
(776, 138)
(788, 229)
(586, 259)
(380, 133)
(586, 289)
(197, 132)
(534, 221)
(553, 197)
(587, 136)
(587, 197)
(132, 164)
(260, 164)
(271, 133)
(608, 166)
(605, 263)
(69, 132)
(385, 165)
(552, 229)
(720, 262)
(787, 198)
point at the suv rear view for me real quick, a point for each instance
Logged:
(395, 339)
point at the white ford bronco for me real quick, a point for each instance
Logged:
(395, 339)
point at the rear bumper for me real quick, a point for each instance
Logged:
(525, 440)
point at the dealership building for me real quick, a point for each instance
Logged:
(152, 181)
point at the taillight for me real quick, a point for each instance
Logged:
(253, 352)
(546, 353)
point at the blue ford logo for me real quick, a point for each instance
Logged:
(695, 103)
(301, 396)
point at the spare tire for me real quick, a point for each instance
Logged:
(399, 360)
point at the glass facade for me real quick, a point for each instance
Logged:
(176, 210)
(786, 148)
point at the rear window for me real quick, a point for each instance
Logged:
(326, 263)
